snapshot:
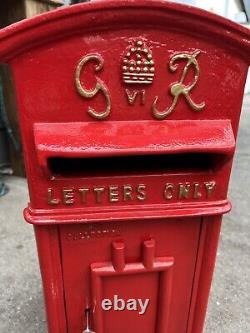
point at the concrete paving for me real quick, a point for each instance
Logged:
(21, 300)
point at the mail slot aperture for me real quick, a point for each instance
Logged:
(132, 146)
(132, 165)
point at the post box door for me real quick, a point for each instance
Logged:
(148, 260)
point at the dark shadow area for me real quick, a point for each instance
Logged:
(127, 165)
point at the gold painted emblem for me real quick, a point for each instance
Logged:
(127, 193)
(138, 68)
(100, 85)
(138, 64)
(178, 89)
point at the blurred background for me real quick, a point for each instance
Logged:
(21, 301)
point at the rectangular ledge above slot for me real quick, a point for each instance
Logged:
(129, 138)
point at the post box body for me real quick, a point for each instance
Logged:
(129, 114)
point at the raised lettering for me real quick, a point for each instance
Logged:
(127, 192)
(197, 193)
(98, 194)
(68, 196)
(184, 190)
(83, 193)
(180, 89)
(100, 86)
(113, 194)
(169, 191)
(141, 190)
(132, 95)
(52, 201)
(210, 187)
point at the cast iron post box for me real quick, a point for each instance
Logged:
(129, 112)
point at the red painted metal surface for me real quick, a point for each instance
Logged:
(129, 114)
(132, 138)
(174, 238)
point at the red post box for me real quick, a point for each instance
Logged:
(129, 113)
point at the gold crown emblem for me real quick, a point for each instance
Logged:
(138, 65)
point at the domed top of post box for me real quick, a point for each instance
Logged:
(109, 14)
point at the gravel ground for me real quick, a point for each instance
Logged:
(21, 301)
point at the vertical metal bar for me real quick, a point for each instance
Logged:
(87, 315)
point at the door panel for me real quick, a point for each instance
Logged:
(152, 260)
